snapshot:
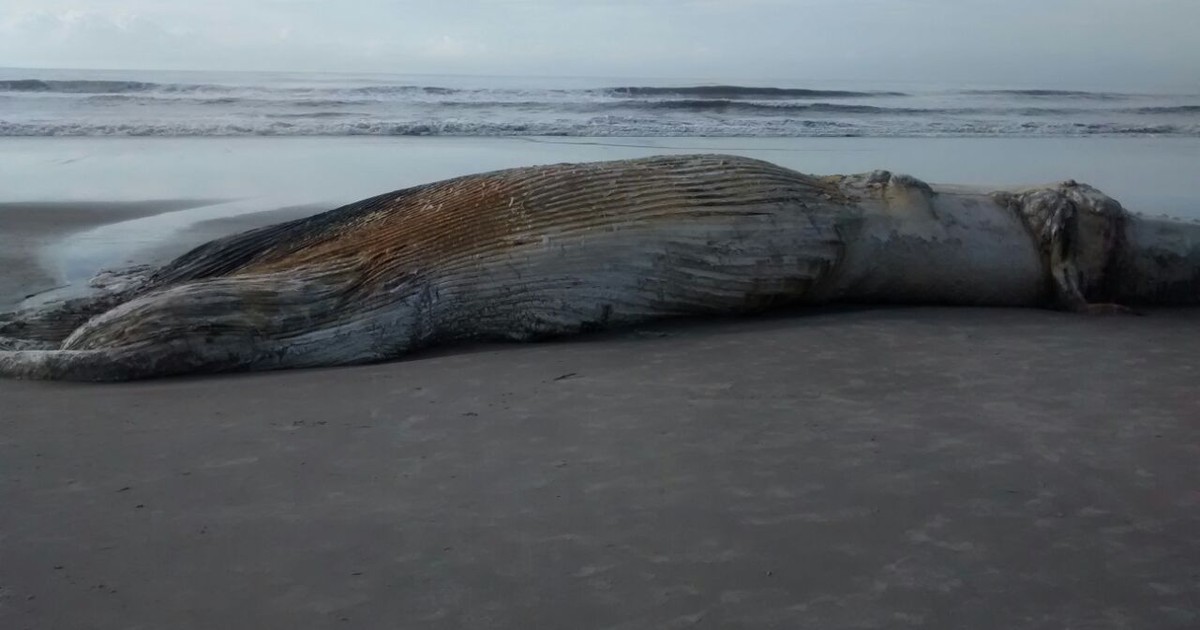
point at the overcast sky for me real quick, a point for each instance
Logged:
(1027, 42)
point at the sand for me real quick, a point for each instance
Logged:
(840, 468)
(950, 468)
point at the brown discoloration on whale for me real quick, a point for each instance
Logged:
(558, 249)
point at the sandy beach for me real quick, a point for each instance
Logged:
(832, 468)
(852, 469)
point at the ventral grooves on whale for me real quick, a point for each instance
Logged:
(553, 250)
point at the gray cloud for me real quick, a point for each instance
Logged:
(1030, 42)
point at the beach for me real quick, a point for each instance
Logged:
(842, 467)
(868, 468)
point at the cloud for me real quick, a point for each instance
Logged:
(447, 47)
(980, 41)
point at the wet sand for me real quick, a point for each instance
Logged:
(1148, 175)
(28, 227)
(31, 229)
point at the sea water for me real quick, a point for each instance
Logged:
(146, 103)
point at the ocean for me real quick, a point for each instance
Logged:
(222, 104)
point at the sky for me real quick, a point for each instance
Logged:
(1036, 43)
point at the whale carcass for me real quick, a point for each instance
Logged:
(551, 250)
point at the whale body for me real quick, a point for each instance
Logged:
(553, 250)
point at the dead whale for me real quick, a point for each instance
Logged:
(552, 250)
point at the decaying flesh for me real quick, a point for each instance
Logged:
(553, 250)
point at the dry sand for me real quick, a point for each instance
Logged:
(952, 468)
(947, 468)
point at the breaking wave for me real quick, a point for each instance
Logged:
(1178, 109)
(104, 87)
(737, 91)
(1048, 94)
(75, 87)
(331, 124)
(232, 105)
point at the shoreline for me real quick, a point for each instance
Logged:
(1149, 175)
(32, 226)
(50, 250)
